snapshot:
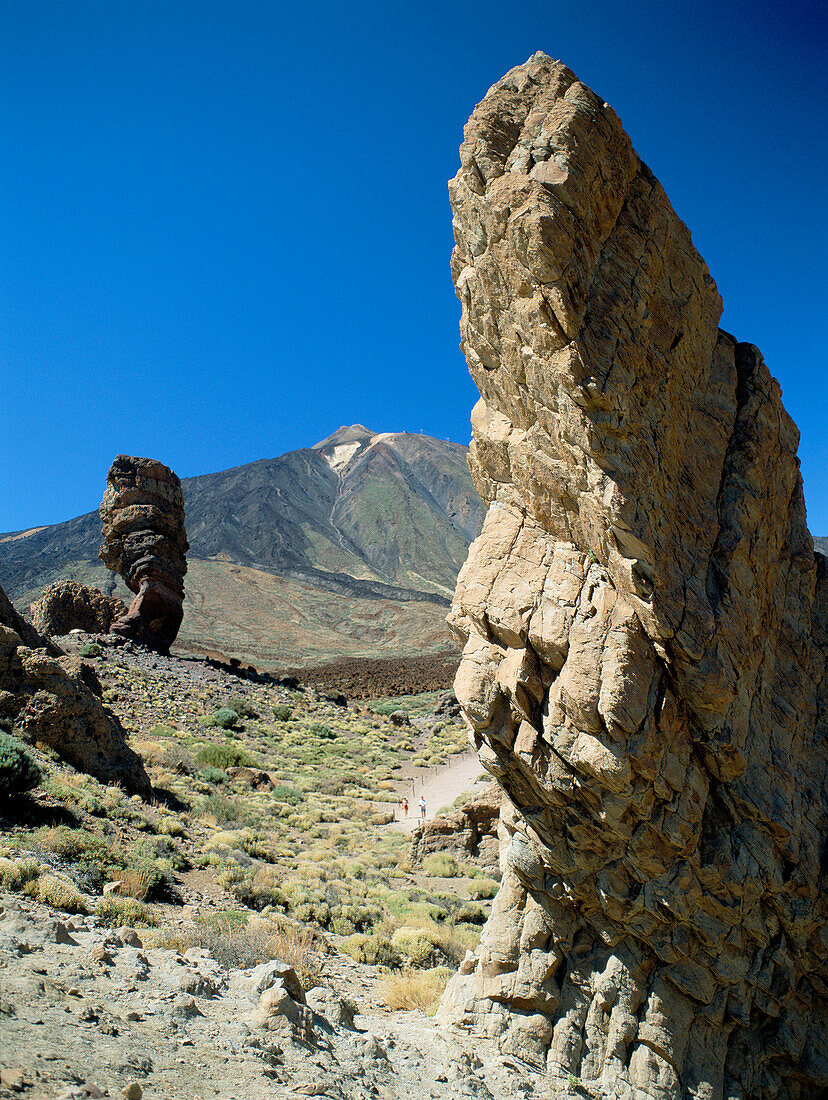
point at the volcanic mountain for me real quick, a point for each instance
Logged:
(347, 548)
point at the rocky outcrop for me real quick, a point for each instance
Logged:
(469, 831)
(145, 541)
(645, 628)
(54, 700)
(66, 605)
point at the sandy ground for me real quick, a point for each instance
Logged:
(439, 786)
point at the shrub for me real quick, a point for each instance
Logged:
(19, 771)
(484, 889)
(115, 911)
(282, 712)
(222, 809)
(91, 649)
(224, 756)
(171, 826)
(243, 707)
(214, 775)
(321, 729)
(421, 990)
(373, 950)
(421, 946)
(224, 717)
(469, 913)
(15, 874)
(283, 793)
(51, 890)
(441, 865)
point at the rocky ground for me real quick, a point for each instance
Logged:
(138, 938)
(92, 1011)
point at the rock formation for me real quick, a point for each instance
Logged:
(54, 700)
(469, 831)
(144, 540)
(66, 605)
(645, 628)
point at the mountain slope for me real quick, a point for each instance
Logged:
(351, 546)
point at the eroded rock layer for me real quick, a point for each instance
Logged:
(145, 541)
(66, 605)
(50, 699)
(645, 627)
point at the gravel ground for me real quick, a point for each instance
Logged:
(86, 1011)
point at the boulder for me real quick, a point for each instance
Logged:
(55, 700)
(469, 831)
(145, 542)
(65, 606)
(645, 626)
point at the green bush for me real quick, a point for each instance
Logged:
(224, 756)
(283, 793)
(373, 950)
(19, 771)
(470, 913)
(441, 865)
(320, 729)
(282, 712)
(91, 649)
(243, 707)
(224, 717)
(213, 775)
(484, 889)
(115, 911)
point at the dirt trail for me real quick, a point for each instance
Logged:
(439, 786)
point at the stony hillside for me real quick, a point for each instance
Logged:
(347, 548)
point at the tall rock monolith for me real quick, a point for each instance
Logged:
(146, 543)
(645, 627)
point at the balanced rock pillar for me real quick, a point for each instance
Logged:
(645, 628)
(145, 542)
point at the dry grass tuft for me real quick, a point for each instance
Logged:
(414, 989)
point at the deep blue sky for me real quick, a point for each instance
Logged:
(225, 227)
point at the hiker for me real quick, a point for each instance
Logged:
(404, 805)
(422, 805)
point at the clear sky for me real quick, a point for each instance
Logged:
(225, 229)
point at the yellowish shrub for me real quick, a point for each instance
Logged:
(54, 891)
(419, 989)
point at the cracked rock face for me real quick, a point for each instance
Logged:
(145, 541)
(645, 628)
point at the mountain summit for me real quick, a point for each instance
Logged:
(349, 547)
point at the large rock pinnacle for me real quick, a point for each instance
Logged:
(645, 627)
(145, 541)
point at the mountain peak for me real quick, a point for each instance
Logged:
(348, 433)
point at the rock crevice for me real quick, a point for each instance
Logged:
(643, 621)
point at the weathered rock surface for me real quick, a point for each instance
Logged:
(145, 541)
(66, 605)
(645, 628)
(469, 830)
(52, 699)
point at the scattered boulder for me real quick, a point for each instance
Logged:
(55, 700)
(146, 543)
(65, 606)
(468, 831)
(645, 628)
